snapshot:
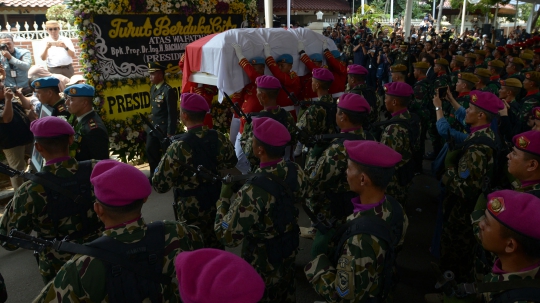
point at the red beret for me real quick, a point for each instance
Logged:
(536, 113)
(528, 142)
(509, 46)
(322, 74)
(356, 69)
(517, 211)
(398, 89)
(501, 49)
(270, 131)
(193, 102)
(372, 153)
(211, 275)
(486, 101)
(50, 126)
(269, 82)
(119, 184)
(354, 102)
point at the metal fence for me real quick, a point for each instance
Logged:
(21, 33)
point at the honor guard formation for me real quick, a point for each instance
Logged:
(344, 144)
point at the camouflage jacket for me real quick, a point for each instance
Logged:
(469, 69)
(171, 174)
(423, 96)
(83, 278)
(527, 104)
(330, 175)
(454, 78)
(465, 180)
(27, 212)
(359, 277)
(440, 81)
(449, 113)
(314, 120)
(247, 136)
(374, 110)
(492, 87)
(531, 273)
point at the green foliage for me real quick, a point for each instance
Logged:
(60, 12)
(419, 10)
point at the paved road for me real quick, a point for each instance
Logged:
(24, 282)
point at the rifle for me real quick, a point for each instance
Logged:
(237, 109)
(157, 132)
(319, 221)
(304, 137)
(291, 96)
(25, 241)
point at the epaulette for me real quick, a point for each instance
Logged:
(61, 108)
(293, 74)
(92, 124)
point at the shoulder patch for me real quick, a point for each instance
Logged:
(345, 277)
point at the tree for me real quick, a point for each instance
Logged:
(60, 12)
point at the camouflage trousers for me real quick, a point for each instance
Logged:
(190, 211)
(457, 239)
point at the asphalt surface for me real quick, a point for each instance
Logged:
(23, 281)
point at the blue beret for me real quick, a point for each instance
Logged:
(80, 90)
(316, 57)
(257, 60)
(335, 53)
(45, 82)
(285, 58)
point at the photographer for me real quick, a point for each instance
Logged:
(360, 51)
(15, 62)
(59, 51)
(15, 131)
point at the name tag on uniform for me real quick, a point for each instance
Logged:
(13, 74)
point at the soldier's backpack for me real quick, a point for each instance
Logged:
(405, 173)
(330, 117)
(133, 270)
(77, 203)
(389, 233)
(283, 213)
(281, 116)
(204, 152)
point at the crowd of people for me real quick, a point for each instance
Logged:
(360, 119)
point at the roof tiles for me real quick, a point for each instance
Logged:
(310, 5)
(30, 3)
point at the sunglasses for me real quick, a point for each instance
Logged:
(53, 29)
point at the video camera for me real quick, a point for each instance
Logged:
(3, 47)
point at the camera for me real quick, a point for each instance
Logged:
(3, 46)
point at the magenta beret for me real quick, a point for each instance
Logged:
(211, 275)
(194, 103)
(271, 132)
(356, 69)
(486, 101)
(354, 102)
(372, 153)
(517, 211)
(398, 89)
(50, 126)
(268, 82)
(528, 142)
(119, 184)
(322, 74)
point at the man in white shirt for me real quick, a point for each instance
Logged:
(59, 51)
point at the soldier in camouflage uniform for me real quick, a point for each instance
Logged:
(456, 67)
(422, 106)
(119, 204)
(484, 84)
(527, 61)
(30, 209)
(396, 136)
(357, 274)
(480, 59)
(267, 92)
(356, 79)
(442, 80)
(510, 89)
(463, 178)
(194, 200)
(513, 69)
(466, 83)
(330, 190)
(48, 93)
(523, 165)
(404, 58)
(470, 59)
(531, 84)
(269, 236)
(398, 73)
(319, 118)
(495, 68)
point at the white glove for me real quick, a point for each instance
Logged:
(238, 51)
(325, 44)
(300, 46)
(267, 52)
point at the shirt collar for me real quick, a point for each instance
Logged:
(477, 128)
(84, 115)
(57, 160)
(399, 112)
(271, 163)
(358, 206)
(463, 94)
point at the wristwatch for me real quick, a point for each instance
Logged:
(437, 108)
(67, 49)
